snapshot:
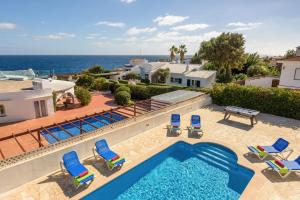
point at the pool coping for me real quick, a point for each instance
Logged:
(256, 182)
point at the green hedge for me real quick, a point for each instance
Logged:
(123, 88)
(276, 101)
(122, 98)
(83, 96)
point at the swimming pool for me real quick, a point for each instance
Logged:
(182, 171)
(72, 128)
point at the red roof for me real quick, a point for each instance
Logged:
(297, 58)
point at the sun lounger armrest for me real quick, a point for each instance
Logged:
(61, 163)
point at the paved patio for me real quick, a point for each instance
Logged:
(235, 134)
(10, 147)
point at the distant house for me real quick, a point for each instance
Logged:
(290, 72)
(29, 99)
(180, 74)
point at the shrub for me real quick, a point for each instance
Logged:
(157, 89)
(106, 86)
(257, 70)
(240, 76)
(277, 101)
(98, 83)
(83, 95)
(133, 76)
(85, 81)
(139, 92)
(145, 81)
(97, 70)
(122, 88)
(122, 98)
(123, 81)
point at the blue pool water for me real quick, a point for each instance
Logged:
(182, 171)
(72, 129)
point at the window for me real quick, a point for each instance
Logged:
(40, 108)
(297, 74)
(147, 76)
(2, 111)
(172, 79)
(178, 80)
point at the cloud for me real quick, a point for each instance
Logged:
(7, 26)
(128, 1)
(95, 36)
(240, 26)
(190, 27)
(56, 36)
(174, 36)
(169, 20)
(136, 31)
(110, 24)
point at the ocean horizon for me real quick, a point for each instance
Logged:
(68, 64)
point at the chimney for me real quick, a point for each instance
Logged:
(298, 51)
(187, 68)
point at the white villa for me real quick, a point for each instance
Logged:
(29, 99)
(290, 72)
(180, 74)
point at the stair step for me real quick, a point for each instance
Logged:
(217, 154)
(212, 162)
(223, 152)
(218, 160)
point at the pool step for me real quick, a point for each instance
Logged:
(221, 155)
(217, 149)
(218, 161)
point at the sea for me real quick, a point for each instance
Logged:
(54, 64)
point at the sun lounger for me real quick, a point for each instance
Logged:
(278, 148)
(112, 159)
(284, 167)
(195, 126)
(80, 174)
(174, 127)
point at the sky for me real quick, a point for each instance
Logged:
(143, 27)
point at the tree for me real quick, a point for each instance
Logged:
(83, 96)
(290, 53)
(251, 60)
(98, 83)
(132, 76)
(123, 98)
(196, 59)
(161, 75)
(182, 51)
(85, 81)
(226, 52)
(257, 70)
(174, 51)
(97, 69)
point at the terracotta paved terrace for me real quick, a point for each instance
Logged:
(235, 134)
(21, 137)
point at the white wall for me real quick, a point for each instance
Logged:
(287, 79)
(20, 105)
(265, 81)
(204, 82)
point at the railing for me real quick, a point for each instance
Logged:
(60, 143)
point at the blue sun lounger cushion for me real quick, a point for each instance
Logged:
(279, 145)
(175, 120)
(196, 121)
(76, 169)
(108, 155)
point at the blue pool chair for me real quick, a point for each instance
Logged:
(277, 149)
(174, 127)
(288, 166)
(195, 126)
(79, 173)
(112, 159)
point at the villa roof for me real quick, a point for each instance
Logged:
(201, 74)
(180, 68)
(296, 58)
(14, 86)
(176, 96)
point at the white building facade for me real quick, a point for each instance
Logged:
(290, 72)
(186, 75)
(23, 100)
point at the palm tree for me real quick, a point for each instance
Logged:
(182, 50)
(174, 51)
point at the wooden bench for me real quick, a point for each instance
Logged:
(252, 114)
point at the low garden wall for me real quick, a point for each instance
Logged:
(44, 161)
